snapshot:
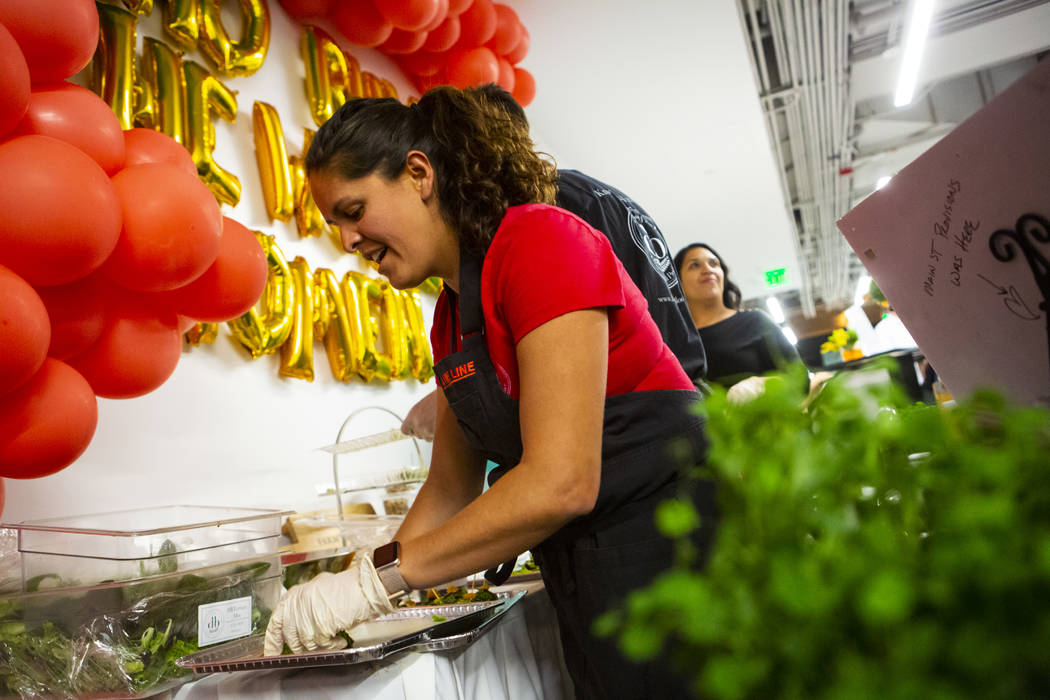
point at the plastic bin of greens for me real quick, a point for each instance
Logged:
(121, 639)
(135, 544)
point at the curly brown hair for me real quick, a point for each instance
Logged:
(483, 157)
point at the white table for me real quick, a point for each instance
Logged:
(520, 658)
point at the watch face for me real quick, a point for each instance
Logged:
(387, 554)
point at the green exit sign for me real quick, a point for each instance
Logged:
(777, 277)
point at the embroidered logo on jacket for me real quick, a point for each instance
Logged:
(451, 376)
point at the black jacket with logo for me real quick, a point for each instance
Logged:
(640, 246)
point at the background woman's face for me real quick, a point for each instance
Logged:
(386, 221)
(703, 279)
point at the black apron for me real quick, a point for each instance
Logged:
(590, 564)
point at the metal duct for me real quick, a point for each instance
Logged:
(800, 51)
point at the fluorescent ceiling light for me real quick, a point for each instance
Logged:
(790, 335)
(883, 181)
(775, 310)
(914, 42)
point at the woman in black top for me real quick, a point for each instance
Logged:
(738, 344)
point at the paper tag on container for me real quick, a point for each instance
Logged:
(223, 621)
(959, 240)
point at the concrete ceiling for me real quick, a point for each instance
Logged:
(668, 103)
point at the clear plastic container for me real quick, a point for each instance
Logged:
(122, 639)
(142, 543)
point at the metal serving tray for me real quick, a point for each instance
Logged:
(467, 622)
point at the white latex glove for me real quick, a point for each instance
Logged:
(746, 390)
(421, 418)
(310, 615)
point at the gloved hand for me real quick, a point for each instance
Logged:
(746, 390)
(310, 615)
(421, 418)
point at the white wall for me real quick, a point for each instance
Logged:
(224, 429)
(659, 100)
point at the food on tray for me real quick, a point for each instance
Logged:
(304, 571)
(116, 639)
(453, 595)
(529, 566)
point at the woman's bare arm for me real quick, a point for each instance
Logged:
(562, 367)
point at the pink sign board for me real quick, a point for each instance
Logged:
(959, 240)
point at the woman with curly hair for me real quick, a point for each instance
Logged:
(548, 364)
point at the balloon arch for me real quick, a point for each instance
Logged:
(436, 42)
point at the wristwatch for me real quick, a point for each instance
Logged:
(386, 559)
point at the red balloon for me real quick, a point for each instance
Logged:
(58, 38)
(440, 16)
(78, 314)
(233, 283)
(444, 37)
(506, 74)
(47, 423)
(14, 82)
(423, 63)
(473, 67)
(172, 228)
(519, 51)
(1, 496)
(410, 15)
(303, 9)
(24, 331)
(508, 30)
(149, 146)
(61, 216)
(185, 323)
(477, 24)
(80, 118)
(138, 351)
(361, 23)
(425, 82)
(403, 42)
(524, 87)
(458, 7)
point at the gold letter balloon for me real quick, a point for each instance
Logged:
(370, 331)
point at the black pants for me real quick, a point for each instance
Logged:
(588, 573)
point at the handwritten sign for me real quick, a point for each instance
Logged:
(959, 241)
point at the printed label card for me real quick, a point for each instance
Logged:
(959, 243)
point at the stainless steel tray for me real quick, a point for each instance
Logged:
(461, 629)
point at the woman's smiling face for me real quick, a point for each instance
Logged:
(702, 276)
(394, 223)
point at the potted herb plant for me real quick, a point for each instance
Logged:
(895, 552)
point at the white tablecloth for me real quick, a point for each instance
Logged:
(519, 659)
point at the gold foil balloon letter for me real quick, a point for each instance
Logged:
(205, 94)
(326, 73)
(337, 325)
(182, 20)
(297, 352)
(113, 67)
(162, 73)
(265, 328)
(356, 287)
(272, 158)
(242, 57)
(421, 359)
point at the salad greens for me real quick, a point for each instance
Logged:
(867, 548)
(112, 639)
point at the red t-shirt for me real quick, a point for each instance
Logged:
(545, 262)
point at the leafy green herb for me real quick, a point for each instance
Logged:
(867, 548)
(105, 653)
(168, 561)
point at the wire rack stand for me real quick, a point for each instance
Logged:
(341, 447)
